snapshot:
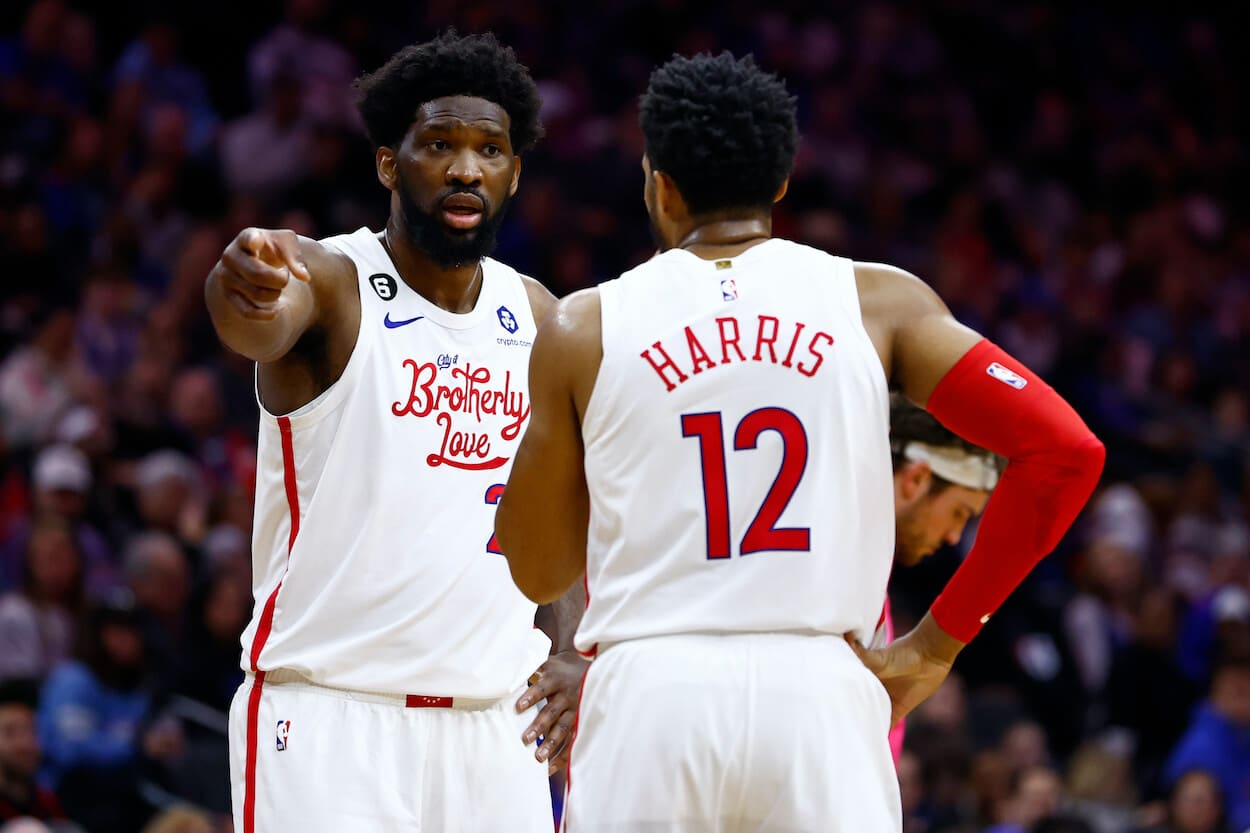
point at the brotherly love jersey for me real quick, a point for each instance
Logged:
(375, 566)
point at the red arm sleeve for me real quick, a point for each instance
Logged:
(1053, 464)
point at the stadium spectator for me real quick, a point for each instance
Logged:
(21, 796)
(38, 621)
(1218, 739)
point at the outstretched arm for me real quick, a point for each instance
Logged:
(269, 289)
(991, 399)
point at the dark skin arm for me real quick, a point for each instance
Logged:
(542, 520)
(289, 304)
(559, 679)
(918, 341)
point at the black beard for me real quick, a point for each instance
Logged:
(446, 246)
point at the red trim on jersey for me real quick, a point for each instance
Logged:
(288, 477)
(568, 773)
(264, 627)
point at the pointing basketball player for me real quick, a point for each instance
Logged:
(709, 444)
(389, 646)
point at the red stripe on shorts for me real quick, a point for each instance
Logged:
(263, 629)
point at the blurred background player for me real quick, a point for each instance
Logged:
(709, 446)
(941, 482)
(388, 647)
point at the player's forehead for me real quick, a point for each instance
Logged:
(459, 111)
(973, 500)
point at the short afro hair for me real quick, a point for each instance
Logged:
(472, 65)
(722, 128)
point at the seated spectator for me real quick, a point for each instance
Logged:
(20, 756)
(38, 381)
(61, 478)
(1196, 805)
(37, 622)
(1037, 795)
(170, 496)
(160, 579)
(91, 720)
(1218, 739)
(211, 672)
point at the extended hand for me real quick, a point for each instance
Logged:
(912, 667)
(255, 268)
(559, 679)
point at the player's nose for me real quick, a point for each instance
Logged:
(464, 169)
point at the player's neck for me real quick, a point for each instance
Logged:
(717, 239)
(454, 288)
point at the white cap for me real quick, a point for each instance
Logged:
(62, 467)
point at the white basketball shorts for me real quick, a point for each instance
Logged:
(319, 760)
(729, 734)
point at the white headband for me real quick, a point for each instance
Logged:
(963, 468)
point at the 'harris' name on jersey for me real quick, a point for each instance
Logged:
(764, 339)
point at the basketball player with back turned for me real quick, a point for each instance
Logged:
(709, 443)
(389, 651)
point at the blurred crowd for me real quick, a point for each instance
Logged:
(1073, 181)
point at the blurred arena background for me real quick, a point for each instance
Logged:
(1074, 181)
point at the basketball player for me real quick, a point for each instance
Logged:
(389, 646)
(709, 443)
(941, 481)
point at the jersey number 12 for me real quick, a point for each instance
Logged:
(762, 534)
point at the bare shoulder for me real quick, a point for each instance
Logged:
(887, 291)
(541, 299)
(914, 332)
(333, 272)
(570, 343)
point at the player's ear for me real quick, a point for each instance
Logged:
(385, 161)
(916, 479)
(668, 198)
(781, 192)
(516, 176)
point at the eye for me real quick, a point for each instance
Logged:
(492, 150)
(438, 144)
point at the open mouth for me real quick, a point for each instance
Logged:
(463, 211)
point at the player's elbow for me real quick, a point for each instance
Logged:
(534, 584)
(1087, 458)
(524, 561)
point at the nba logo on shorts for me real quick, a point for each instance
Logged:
(729, 289)
(284, 729)
(1007, 377)
(507, 320)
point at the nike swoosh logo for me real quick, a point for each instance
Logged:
(390, 325)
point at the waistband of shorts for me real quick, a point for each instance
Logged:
(285, 677)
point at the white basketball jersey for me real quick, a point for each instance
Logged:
(375, 567)
(737, 451)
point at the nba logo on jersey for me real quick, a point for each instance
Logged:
(284, 729)
(507, 320)
(729, 289)
(1007, 377)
